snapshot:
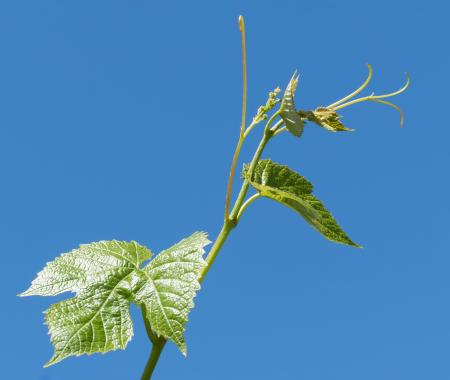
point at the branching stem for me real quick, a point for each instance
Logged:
(235, 213)
(231, 217)
(280, 131)
(231, 175)
(229, 224)
(249, 129)
(247, 203)
(277, 126)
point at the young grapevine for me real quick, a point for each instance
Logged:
(107, 276)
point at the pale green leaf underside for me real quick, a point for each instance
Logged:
(329, 119)
(96, 320)
(106, 277)
(89, 264)
(294, 123)
(280, 183)
(171, 281)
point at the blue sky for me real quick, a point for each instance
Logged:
(118, 120)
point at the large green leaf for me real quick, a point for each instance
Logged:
(294, 123)
(170, 286)
(106, 276)
(280, 183)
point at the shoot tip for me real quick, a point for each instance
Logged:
(241, 23)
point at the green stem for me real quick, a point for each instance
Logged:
(232, 221)
(231, 176)
(247, 203)
(244, 189)
(223, 234)
(229, 224)
(281, 130)
(151, 335)
(157, 348)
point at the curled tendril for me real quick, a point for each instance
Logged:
(372, 97)
(402, 117)
(357, 91)
(405, 86)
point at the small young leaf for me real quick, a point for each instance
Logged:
(171, 281)
(329, 119)
(280, 183)
(294, 123)
(106, 277)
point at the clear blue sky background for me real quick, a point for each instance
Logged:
(118, 120)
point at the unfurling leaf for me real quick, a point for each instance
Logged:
(106, 276)
(329, 119)
(294, 123)
(280, 183)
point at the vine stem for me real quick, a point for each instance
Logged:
(237, 210)
(157, 348)
(231, 217)
(228, 225)
(247, 203)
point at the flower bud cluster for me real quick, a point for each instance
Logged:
(271, 102)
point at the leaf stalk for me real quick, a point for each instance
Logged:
(247, 203)
(151, 335)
